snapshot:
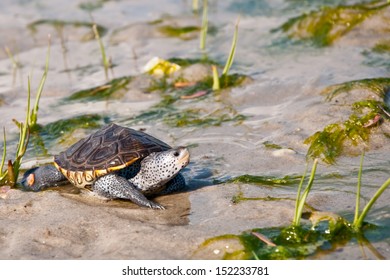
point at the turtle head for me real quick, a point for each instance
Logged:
(29, 181)
(159, 168)
(38, 178)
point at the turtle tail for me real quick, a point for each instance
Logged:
(39, 178)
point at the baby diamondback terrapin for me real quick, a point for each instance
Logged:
(116, 162)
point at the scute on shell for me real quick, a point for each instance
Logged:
(111, 148)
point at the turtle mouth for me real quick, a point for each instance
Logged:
(184, 157)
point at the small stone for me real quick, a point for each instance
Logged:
(4, 192)
(283, 152)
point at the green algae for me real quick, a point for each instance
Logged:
(184, 33)
(382, 47)
(326, 144)
(239, 197)
(92, 6)
(326, 232)
(187, 117)
(194, 117)
(287, 180)
(60, 24)
(114, 87)
(375, 85)
(293, 242)
(166, 110)
(183, 62)
(56, 130)
(273, 146)
(324, 26)
(171, 115)
(188, 32)
(62, 132)
(289, 243)
(329, 143)
(299, 242)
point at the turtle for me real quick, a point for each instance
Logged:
(115, 162)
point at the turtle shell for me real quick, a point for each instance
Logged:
(109, 149)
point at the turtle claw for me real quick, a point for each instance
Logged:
(156, 206)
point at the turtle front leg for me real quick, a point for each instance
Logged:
(38, 178)
(115, 186)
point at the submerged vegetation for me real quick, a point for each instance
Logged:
(326, 232)
(117, 87)
(57, 129)
(189, 95)
(287, 180)
(324, 26)
(366, 114)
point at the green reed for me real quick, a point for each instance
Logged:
(301, 199)
(229, 62)
(33, 117)
(203, 31)
(106, 62)
(232, 52)
(10, 175)
(359, 219)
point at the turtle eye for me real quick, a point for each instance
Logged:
(176, 153)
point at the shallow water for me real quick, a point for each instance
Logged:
(282, 104)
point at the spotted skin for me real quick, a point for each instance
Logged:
(159, 168)
(157, 174)
(114, 186)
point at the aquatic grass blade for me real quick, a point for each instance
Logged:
(24, 136)
(195, 6)
(359, 185)
(2, 175)
(24, 129)
(230, 59)
(34, 114)
(359, 222)
(203, 31)
(296, 219)
(15, 63)
(28, 115)
(216, 85)
(302, 200)
(106, 63)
